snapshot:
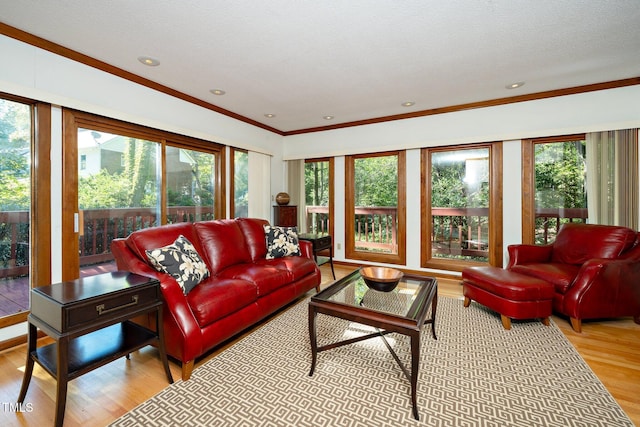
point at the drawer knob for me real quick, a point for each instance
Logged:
(101, 310)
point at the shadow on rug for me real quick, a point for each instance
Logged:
(475, 374)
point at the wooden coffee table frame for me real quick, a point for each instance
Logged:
(411, 324)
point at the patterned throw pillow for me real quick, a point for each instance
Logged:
(181, 261)
(281, 241)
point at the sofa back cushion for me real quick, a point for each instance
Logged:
(254, 235)
(152, 238)
(576, 243)
(223, 242)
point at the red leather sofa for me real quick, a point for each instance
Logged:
(594, 270)
(243, 286)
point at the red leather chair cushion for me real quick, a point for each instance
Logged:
(216, 298)
(561, 276)
(224, 244)
(577, 243)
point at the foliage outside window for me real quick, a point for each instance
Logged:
(461, 206)
(240, 169)
(560, 186)
(317, 196)
(375, 207)
(15, 205)
(190, 179)
(128, 177)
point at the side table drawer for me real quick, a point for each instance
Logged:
(120, 304)
(323, 243)
(65, 316)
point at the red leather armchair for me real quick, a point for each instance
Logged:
(594, 269)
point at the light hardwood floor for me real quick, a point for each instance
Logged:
(611, 348)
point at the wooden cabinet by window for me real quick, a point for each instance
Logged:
(285, 216)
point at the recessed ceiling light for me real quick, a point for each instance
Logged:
(217, 91)
(408, 104)
(328, 117)
(515, 85)
(151, 62)
(269, 115)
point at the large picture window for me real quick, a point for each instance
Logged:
(375, 207)
(579, 178)
(25, 208)
(119, 177)
(461, 206)
(318, 186)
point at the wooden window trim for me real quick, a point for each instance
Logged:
(72, 120)
(529, 181)
(350, 252)
(40, 216)
(495, 209)
(331, 191)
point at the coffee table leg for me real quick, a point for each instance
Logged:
(434, 306)
(415, 365)
(312, 338)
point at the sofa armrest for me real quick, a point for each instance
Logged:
(604, 288)
(528, 254)
(178, 317)
(306, 248)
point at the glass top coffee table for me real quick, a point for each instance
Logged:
(403, 310)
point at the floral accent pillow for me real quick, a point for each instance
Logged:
(181, 261)
(281, 241)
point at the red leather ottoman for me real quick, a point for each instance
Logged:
(513, 295)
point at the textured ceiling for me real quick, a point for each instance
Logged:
(351, 59)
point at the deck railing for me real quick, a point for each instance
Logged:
(455, 231)
(98, 228)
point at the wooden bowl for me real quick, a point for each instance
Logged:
(383, 279)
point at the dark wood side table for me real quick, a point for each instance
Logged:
(320, 242)
(90, 320)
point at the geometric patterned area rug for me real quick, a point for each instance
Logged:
(475, 374)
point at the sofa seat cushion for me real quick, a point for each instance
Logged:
(265, 278)
(297, 266)
(216, 298)
(561, 276)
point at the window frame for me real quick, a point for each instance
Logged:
(350, 252)
(495, 209)
(232, 180)
(72, 120)
(331, 190)
(529, 181)
(40, 211)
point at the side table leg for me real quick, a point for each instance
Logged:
(63, 379)
(28, 368)
(415, 366)
(162, 345)
(313, 338)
